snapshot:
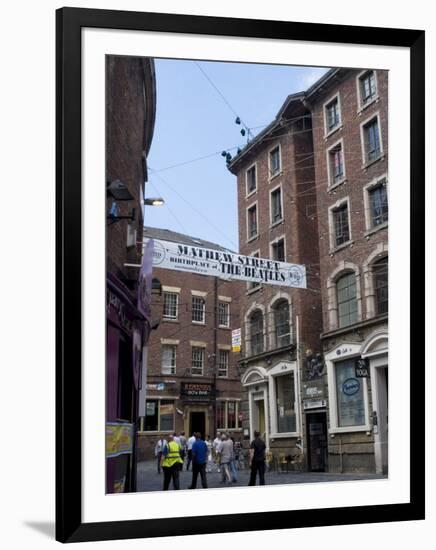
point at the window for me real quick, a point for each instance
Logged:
(332, 115)
(159, 415)
(336, 164)
(171, 300)
(278, 250)
(198, 309)
(252, 221)
(281, 323)
(274, 161)
(349, 394)
(251, 180)
(276, 205)
(227, 415)
(371, 136)
(256, 332)
(197, 361)
(285, 403)
(223, 314)
(347, 300)
(223, 363)
(169, 359)
(221, 415)
(380, 274)
(378, 204)
(252, 286)
(368, 88)
(340, 225)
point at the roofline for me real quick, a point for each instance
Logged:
(219, 247)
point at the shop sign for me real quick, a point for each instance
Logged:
(351, 386)
(119, 439)
(226, 265)
(156, 387)
(362, 368)
(115, 303)
(196, 391)
(236, 340)
(314, 403)
(313, 390)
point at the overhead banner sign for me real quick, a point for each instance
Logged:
(226, 265)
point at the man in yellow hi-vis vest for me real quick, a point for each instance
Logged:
(171, 463)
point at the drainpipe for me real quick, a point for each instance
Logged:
(215, 351)
(298, 396)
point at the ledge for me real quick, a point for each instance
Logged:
(356, 326)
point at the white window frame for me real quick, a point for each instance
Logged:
(249, 239)
(332, 208)
(173, 368)
(366, 202)
(247, 192)
(176, 292)
(360, 105)
(271, 247)
(202, 346)
(251, 289)
(283, 368)
(247, 324)
(226, 414)
(281, 219)
(346, 351)
(201, 296)
(226, 303)
(338, 126)
(226, 349)
(331, 183)
(366, 163)
(272, 176)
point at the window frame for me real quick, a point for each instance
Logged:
(262, 332)
(271, 176)
(253, 287)
(159, 401)
(256, 235)
(249, 193)
(274, 309)
(363, 125)
(202, 348)
(173, 368)
(332, 209)
(276, 189)
(342, 276)
(283, 368)
(195, 296)
(225, 402)
(361, 105)
(331, 181)
(226, 352)
(328, 132)
(227, 304)
(176, 294)
(370, 228)
(273, 243)
(374, 267)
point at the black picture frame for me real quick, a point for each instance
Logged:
(69, 22)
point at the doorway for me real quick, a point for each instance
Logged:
(316, 429)
(381, 411)
(197, 423)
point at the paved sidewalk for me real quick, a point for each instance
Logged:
(149, 480)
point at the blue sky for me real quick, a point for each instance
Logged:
(192, 121)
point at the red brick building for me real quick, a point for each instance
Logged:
(193, 380)
(130, 115)
(312, 189)
(350, 135)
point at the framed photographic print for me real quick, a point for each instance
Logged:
(240, 225)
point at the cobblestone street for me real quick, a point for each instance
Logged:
(150, 480)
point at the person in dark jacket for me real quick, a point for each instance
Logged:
(199, 461)
(257, 460)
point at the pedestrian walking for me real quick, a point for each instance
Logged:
(183, 445)
(257, 460)
(209, 454)
(158, 452)
(216, 445)
(199, 460)
(171, 461)
(225, 451)
(191, 441)
(233, 470)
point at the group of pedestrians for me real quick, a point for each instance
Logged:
(223, 452)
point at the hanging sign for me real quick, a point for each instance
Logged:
(226, 265)
(236, 340)
(362, 368)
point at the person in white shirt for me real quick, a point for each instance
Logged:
(215, 446)
(158, 449)
(191, 442)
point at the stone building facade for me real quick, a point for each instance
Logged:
(312, 189)
(193, 377)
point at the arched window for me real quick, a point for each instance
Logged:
(256, 332)
(347, 299)
(380, 274)
(281, 324)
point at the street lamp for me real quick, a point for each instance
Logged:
(157, 201)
